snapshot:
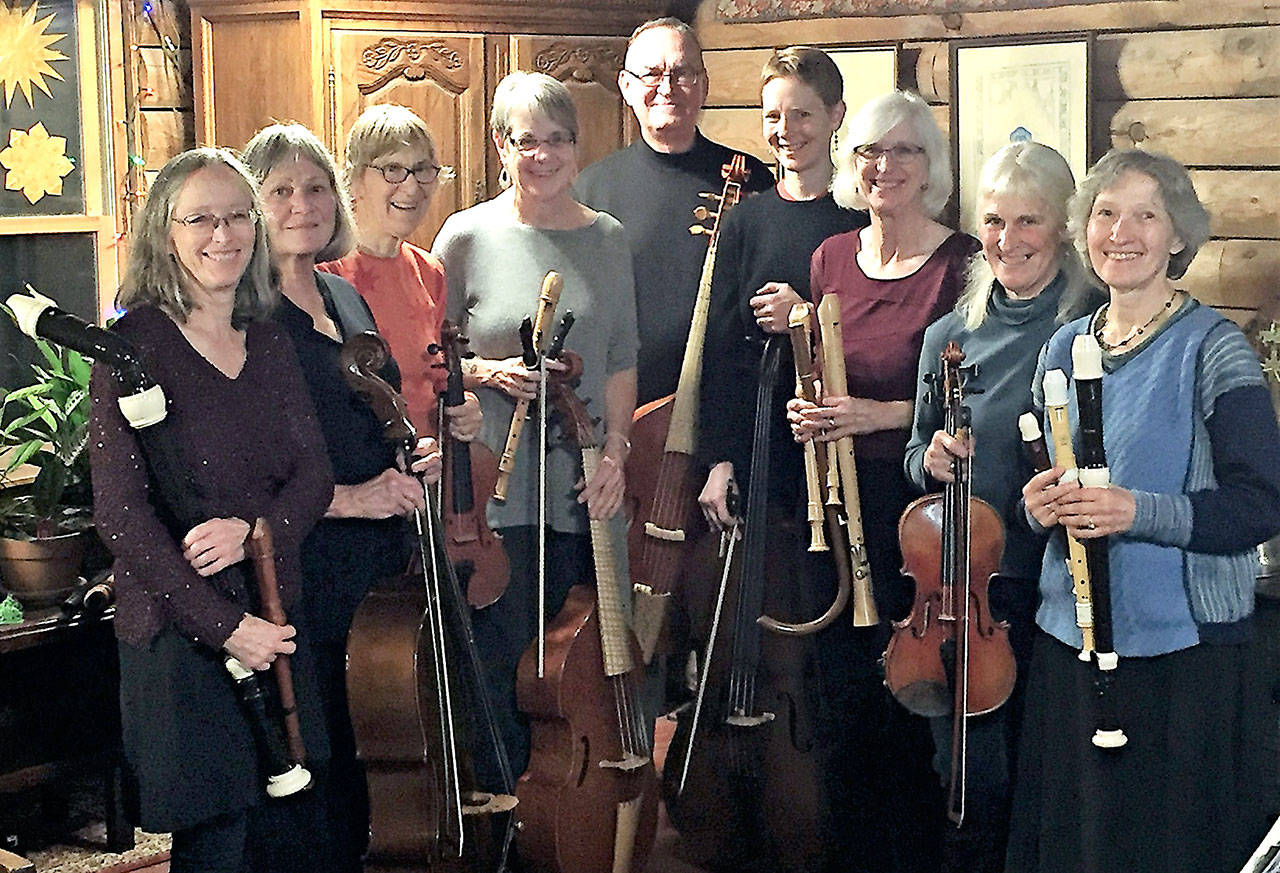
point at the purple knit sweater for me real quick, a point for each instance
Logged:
(254, 450)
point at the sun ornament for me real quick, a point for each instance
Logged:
(25, 55)
(36, 162)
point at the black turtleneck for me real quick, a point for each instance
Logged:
(654, 194)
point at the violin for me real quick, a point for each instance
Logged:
(470, 473)
(589, 799)
(665, 518)
(419, 706)
(949, 655)
(747, 779)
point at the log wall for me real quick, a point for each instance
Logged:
(1199, 81)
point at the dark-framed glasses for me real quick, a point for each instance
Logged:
(901, 153)
(207, 222)
(425, 173)
(527, 144)
(680, 77)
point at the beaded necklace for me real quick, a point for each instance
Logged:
(1134, 333)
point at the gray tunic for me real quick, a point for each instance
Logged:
(494, 268)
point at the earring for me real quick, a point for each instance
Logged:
(504, 178)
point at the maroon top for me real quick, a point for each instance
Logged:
(254, 450)
(883, 322)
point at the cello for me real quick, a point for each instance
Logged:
(470, 473)
(949, 656)
(589, 799)
(664, 507)
(413, 680)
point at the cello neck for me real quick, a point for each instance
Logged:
(683, 431)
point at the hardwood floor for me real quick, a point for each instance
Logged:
(663, 859)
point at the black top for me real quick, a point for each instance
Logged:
(654, 195)
(342, 557)
(764, 239)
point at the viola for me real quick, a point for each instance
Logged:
(419, 705)
(746, 782)
(470, 473)
(662, 479)
(949, 656)
(589, 799)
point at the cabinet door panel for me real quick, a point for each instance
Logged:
(438, 76)
(588, 66)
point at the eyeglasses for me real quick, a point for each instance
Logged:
(680, 77)
(397, 173)
(872, 153)
(208, 223)
(527, 144)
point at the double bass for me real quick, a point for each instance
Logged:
(589, 799)
(949, 656)
(419, 706)
(750, 788)
(665, 518)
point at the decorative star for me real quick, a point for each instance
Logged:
(1271, 335)
(25, 55)
(36, 162)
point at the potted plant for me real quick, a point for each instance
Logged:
(43, 522)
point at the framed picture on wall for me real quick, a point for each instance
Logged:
(1008, 92)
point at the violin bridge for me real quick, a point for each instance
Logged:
(739, 720)
(627, 763)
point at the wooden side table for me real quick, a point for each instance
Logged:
(59, 707)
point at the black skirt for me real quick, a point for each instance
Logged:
(188, 752)
(1173, 799)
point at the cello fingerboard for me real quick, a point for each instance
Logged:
(613, 624)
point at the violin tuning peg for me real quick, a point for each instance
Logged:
(707, 195)
(701, 213)
(696, 229)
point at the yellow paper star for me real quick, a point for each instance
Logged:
(1270, 336)
(36, 162)
(25, 52)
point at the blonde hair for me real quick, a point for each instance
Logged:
(155, 276)
(277, 143)
(382, 129)
(872, 122)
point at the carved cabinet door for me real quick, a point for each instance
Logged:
(588, 65)
(440, 76)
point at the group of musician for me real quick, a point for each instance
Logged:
(247, 274)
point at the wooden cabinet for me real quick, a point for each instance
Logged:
(322, 63)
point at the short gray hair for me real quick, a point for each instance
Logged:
(873, 121)
(1189, 217)
(538, 94)
(154, 275)
(277, 143)
(382, 129)
(670, 23)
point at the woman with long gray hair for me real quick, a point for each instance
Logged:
(1025, 283)
(199, 297)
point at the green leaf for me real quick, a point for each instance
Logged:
(22, 455)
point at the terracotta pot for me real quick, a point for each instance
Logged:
(41, 572)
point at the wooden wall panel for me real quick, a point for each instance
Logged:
(165, 133)
(1206, 133)
(1234, 273)
(734, 76)
(285, 95)
(163, 79)
(1226, 62)
(738, 129)
(1242, 203)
